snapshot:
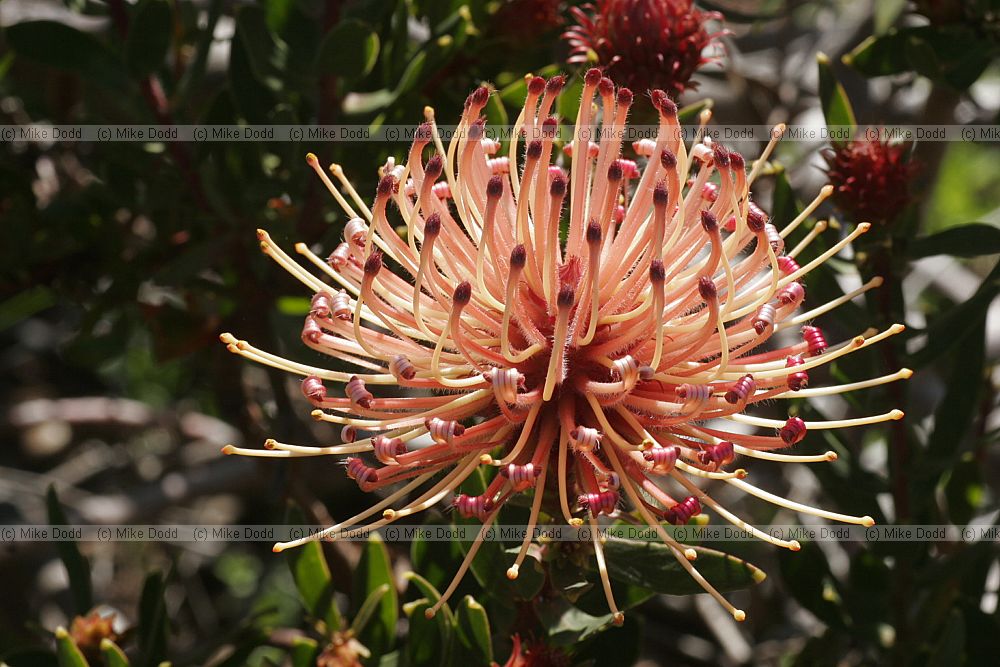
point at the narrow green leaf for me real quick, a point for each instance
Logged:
(77, 566)
(412, 74)
(373, 572)
(312, 577)
(25, 304)
(689, 113)
(651, 565)
(836, 106)
(972, 240)
(67, 652)
(784, 206)
(304, 652)
(951, 327)
(153, 621)
(148, 37)
(473, 642)
(443, 621)
(428, 641)
(113, 655)
(886, 13)
(496, 113)
(368, 608)
(431, 593)
(954, 416)
(349, 50)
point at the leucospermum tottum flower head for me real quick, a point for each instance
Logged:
(643, 43)
(608, 372)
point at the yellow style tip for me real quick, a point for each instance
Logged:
(512, 572)
(739, 615)
(867, 521)
(618, 618)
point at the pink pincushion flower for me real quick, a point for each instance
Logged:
(643, 44)
(609, 371)
(871, 179)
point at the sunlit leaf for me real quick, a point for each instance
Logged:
(113, 655)
(67, 652)
(349, 50)
(312, 577)
(836, 106)
(373, 573)
(472, 634)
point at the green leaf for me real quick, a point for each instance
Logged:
(954, 416)
(431, 593)
(836, 106)
(148, 37)
(953, 54)
(77, 566)
(153, 621)
(428, 641)
(411, 75)
(474, 644)
(304, 652)
(885, 14)
(368, 608)
(442, 624)
(651, 565)
(349, 50)
(616, 645)
(972, 240)
(58, 45)
(437, 560)
(24, 304)
(951, 327)
(784, 206)
(496, 113)
(67, 652)
(374, 571)
(265, 52)
(567, 625)
(312, 577)
(113, 655)
(950, 645)
(689, 113)
(810, 581)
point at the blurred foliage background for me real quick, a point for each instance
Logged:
(121, 262)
